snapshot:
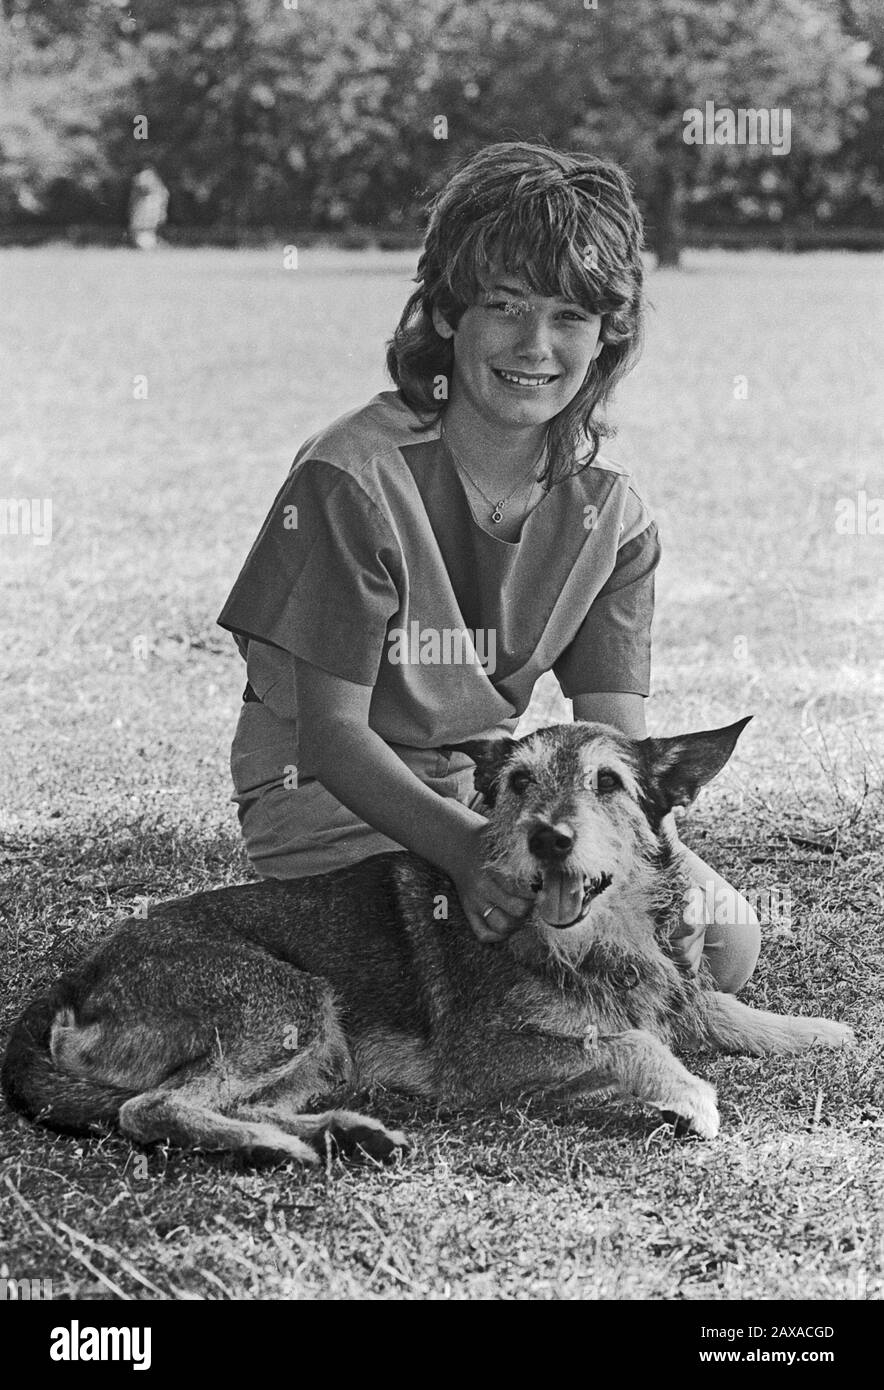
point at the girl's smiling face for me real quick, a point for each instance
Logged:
(520, 357)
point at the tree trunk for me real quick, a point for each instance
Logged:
(668, 202)
(668, 222)
(241, 116)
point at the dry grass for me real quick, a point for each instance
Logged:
(116, 785)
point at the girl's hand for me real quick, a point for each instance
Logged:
(480, 888)
(689, 937)
(688, 940)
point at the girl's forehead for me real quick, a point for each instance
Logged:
(541, 275)
(519, 283)
(507, 280)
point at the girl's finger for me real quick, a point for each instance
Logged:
(502, 922)
(482, 931)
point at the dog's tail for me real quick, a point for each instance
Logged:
(36, 1085)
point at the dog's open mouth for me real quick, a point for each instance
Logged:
(564, 898)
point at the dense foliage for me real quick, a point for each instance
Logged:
(326, 114)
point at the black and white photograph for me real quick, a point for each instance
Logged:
(442, 563)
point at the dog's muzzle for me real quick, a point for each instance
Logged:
(564, 899)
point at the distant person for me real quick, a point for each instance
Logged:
(148, 203)
(473, 497)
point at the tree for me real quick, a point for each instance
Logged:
(855, 174)
(61, 62)
(657, 59)
(331, 114)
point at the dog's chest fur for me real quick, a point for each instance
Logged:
(616, 984)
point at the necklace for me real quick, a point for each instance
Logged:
(497, 506)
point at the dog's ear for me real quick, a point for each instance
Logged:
(489, 755)
(676, 768)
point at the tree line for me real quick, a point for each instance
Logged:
(343, 115)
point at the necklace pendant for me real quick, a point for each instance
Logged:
(497, 515)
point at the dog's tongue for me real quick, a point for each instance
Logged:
(561, 897)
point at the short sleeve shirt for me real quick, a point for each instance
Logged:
(372, 566)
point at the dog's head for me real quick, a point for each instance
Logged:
(573, 808)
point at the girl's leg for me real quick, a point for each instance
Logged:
(719, 924)
(292, 826)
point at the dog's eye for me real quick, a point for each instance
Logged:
(606, 781)
(521, 780)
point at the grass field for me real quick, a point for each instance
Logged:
(752, 413)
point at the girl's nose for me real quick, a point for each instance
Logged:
(534, 337)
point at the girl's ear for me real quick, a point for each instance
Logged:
(603, 338)
(441, 325)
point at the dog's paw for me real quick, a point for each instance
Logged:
(825, 1032)
(694, 1111)
(358, 1137)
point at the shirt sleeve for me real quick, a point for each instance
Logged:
(320, 582)
(611, 650)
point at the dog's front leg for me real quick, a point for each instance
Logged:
(531, 1060)
(643, 1068)
(483, 1065)
(735, 1027)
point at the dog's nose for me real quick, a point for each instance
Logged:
(551, 841)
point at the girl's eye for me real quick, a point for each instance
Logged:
(512, 307)
(606, 781)
(517, 308)
(520, 781)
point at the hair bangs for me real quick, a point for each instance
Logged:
(551, 240)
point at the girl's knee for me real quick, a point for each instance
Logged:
(733, 941)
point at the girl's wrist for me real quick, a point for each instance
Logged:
(457, 837)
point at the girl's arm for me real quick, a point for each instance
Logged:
(625, 712)
(362, 771)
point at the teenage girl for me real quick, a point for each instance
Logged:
(471, 500)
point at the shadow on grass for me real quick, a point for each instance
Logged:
(64, 887)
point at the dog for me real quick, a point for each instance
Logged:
(215, 1021)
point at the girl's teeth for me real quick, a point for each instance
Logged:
(525, 380)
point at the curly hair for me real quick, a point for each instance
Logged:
(567, 222)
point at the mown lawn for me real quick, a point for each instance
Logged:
(752, 413)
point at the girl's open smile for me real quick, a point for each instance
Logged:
(519, 357)
(523, 379)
